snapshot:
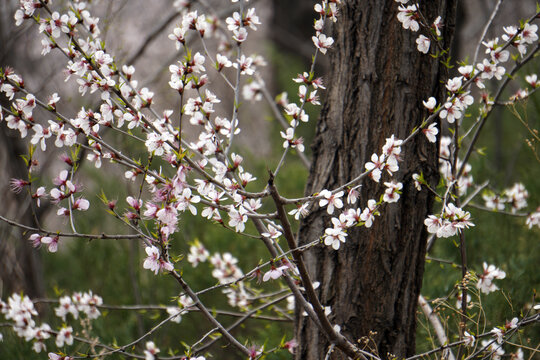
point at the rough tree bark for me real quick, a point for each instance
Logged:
(376, 86)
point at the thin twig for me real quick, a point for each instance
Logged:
(486, 28)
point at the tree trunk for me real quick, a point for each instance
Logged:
(292, 28)
(20, 264)
(376, 87)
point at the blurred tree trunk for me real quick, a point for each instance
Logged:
(20, 264)
(376, 86)
(292, 27)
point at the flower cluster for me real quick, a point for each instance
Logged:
(227, 271)
(197, 254)
(225, 268)
(515, 197)
(452, 220)
(155, 262)
(457, 175)
(21, 312)
(295, 113)
(388, 160)
(326, 10)
(408, 16)
(485, 280)
(86, 303)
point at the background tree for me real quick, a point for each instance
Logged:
(20, 265)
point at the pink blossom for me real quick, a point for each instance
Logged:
(311, 98)
(273, 232)
(451, 112)
(134, 203)
(244, 64)
(274, 272)
(240, 35)
(8, 90)
(392, 192)
(51, 242)
(417, 181)
(494, 349)
(237, 219)
(225, 268)
(533, 219)
(291, 345)
(88, 303)
(498, 335)
(322, 42)
(331, 200)
(40, 135)
(168, 215)
(334, 237)
(430, 104)
(234, 22)
(300, 211)
(437, 24)
(81, 204)
(296, 112)
(431, 132)
(528, 34)
(352, 216)
(252, 91)
(352, 195)
(65, 336)
(35, 239)
(375, 166)
(408, 17)
(16, 185)
(433, 224)
(490, 70)
(392, 148)
(454, 84)
(222, 62)
(152, 260)
(197, 254)
(65, 307)
(485, 280)
(251, 19)
(178, 36)
(468, 339)
(466, 71)
(423, 44)
(291, 141)
(53, 356)
(151, 350)
(499, 56)
(517, 196)
(494, 202)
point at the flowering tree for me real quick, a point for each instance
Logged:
(353, 272)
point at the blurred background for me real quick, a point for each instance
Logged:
(136, 31)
